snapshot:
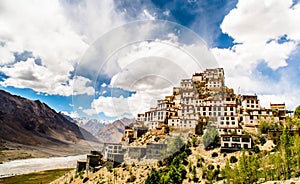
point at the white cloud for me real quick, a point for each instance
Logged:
(71, 114)
(57, 32)
(158, 64)
(92, 18)
(256, 27)
(27, 74)
(137, 103)
(6, 56)
(82, 85)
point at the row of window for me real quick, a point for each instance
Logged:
(236, 139)
(226, 145)
(227, 123)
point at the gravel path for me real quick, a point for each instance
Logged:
(17, 167)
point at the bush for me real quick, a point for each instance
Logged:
(109, 168)
(262, 140)
(233, 159)
(194, 140)
(214, 154)
(256, 149)
(81, 174)
(85, 180)
(71, 179)
(132, 178)
(153, 177)
(211, 167)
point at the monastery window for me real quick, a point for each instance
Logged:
(236, 139)
(204, 113)
(222, 123)
(245, 140)
(226, 138)
(219, 113)
(222, 118)
(233, 123)
(227, 122)
(232, 118)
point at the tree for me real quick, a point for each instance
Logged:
(153, 177)
(210, 138)
(297, 112)
(285, 142)
(296, 153)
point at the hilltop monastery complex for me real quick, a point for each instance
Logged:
(204, 101)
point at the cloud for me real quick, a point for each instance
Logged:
(27, 74)
(6, 56)
(258, 29)
(71, 114)
(92, 18)
(55, 32)
(120, 106)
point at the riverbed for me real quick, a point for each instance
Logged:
(24, 166)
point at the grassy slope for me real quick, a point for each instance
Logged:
(34, 178)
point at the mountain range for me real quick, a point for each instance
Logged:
(34, 123)
(104, 130)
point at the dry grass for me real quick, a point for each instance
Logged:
(34, 178)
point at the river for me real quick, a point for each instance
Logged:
(24, 166)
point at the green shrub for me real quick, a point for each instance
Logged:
(211, 167)
(214, 154)
(233, 159)
(256, 149)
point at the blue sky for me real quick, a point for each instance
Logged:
(76, 57)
